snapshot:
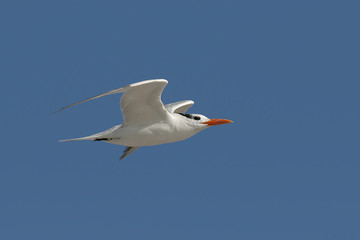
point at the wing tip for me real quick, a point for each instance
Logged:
(128, 150)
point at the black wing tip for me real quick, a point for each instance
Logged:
(128, 150)
(125, 152)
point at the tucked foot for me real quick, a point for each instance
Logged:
(102, 139)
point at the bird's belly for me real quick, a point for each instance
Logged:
(150, 135)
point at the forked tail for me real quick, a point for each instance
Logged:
(78, 139)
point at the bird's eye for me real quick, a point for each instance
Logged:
(196, 118)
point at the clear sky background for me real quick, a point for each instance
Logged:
(286, 72)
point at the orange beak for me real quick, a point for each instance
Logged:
(213, 122)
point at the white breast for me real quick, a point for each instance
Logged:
(158, 133)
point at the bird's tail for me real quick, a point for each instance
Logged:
(78, 139)
(101, 136)
(93, 137)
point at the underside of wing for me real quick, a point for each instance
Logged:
(179, 107)
(118, 90)
(141, 103)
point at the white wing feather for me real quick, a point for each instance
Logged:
(140, 103)
(179, 107)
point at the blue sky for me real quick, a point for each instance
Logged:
(286, 73)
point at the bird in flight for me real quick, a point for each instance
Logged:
(147, 121)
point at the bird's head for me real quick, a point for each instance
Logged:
(201, 122)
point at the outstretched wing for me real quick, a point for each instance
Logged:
(141, 102)
(179, 107)
(127, 151)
